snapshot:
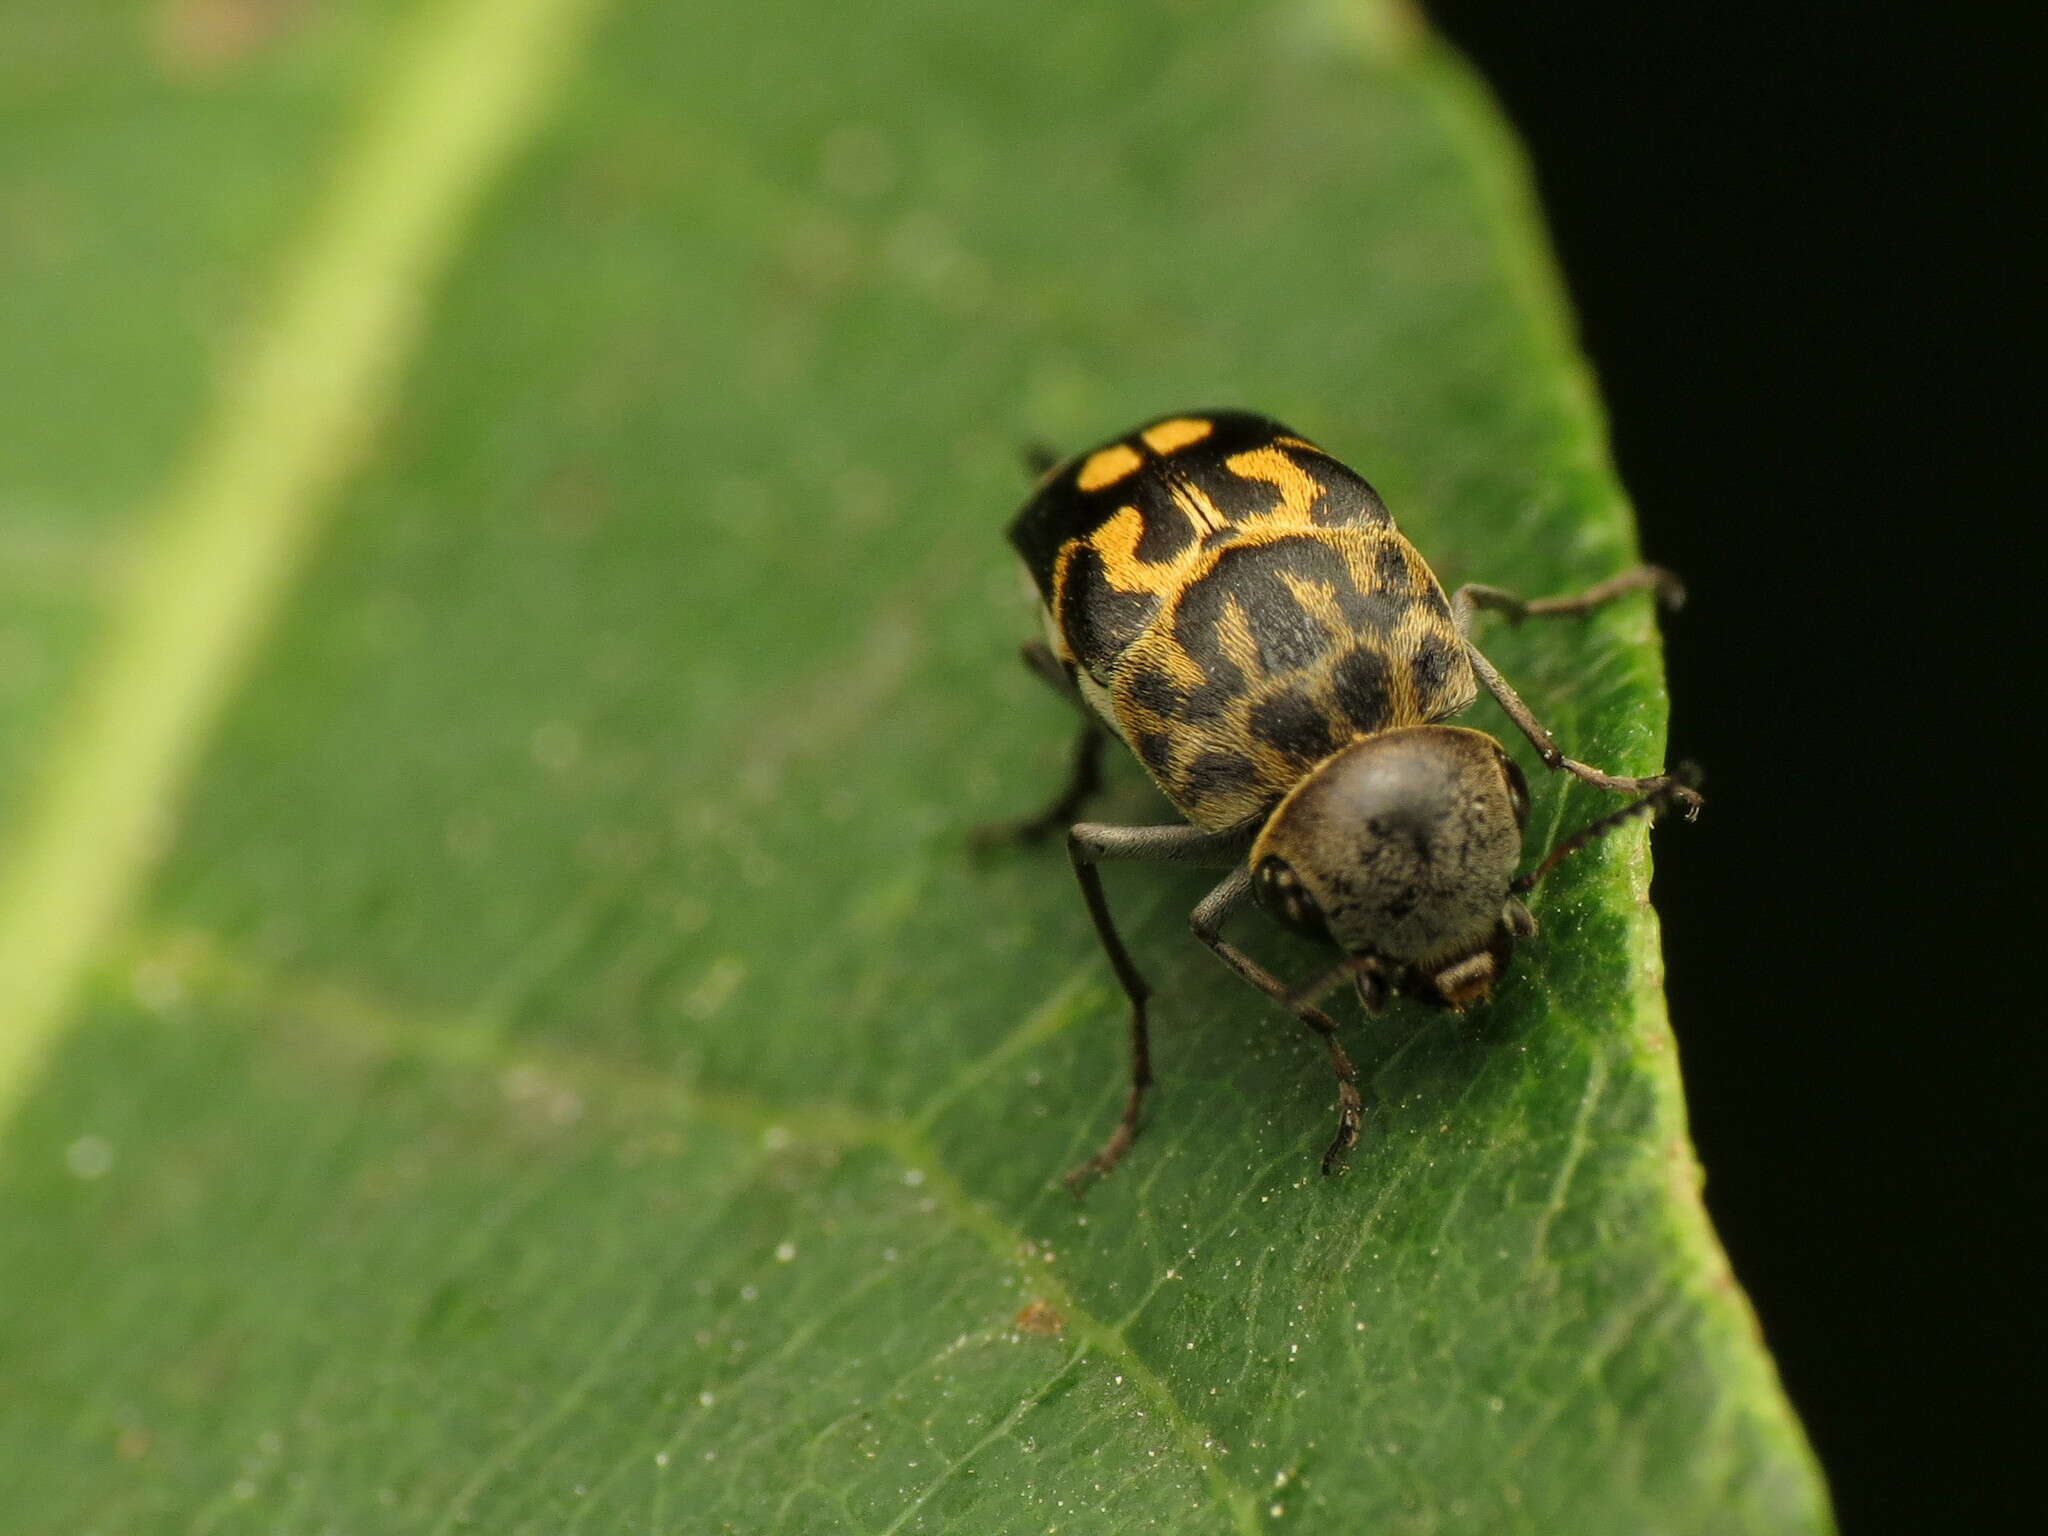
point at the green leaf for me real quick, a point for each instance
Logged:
(508, 631)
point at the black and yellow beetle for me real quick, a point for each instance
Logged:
(1239, 608)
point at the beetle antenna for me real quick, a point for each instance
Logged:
(1686, 776)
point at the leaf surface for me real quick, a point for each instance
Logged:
(561, 1069)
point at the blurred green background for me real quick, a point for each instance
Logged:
(503, 631)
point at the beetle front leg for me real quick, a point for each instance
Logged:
(1207, 921)
(1686, 777)
(1473, 596)
(1466, 603)
(1553, 756)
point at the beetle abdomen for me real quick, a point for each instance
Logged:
(1275, 654)
(1239, 604)
(1125, 522)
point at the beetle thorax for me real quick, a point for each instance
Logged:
(1400, 845)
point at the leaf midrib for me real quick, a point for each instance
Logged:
(217, 557)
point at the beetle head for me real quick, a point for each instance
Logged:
(1398, 849)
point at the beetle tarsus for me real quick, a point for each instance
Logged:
(1350, 1116)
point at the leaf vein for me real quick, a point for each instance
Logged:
(220, 553)
(365, 1021)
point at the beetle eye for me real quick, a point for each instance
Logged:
(1281, 892)
(1518, 791)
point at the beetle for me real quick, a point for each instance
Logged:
(1238, 608)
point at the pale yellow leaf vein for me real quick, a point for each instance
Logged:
(568, 1403)
(998, 1432)
(1568, 1165)
(464, 89)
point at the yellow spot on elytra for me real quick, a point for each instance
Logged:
(1234, 631)
(1108, 465)
(1116, 541)
(1317, 599)
(1298, 489)
(1175, 433)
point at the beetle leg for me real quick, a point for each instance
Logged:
(1471, 597)
(1680, 783)
(1207, 921)
(1466, 603)
(1040, 662)
(1553, 756)
(1084, 778)
(1088, 845)
(1084, 761)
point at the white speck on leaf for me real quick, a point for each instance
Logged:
(157, 986)
(556, 745)
(89, 1157)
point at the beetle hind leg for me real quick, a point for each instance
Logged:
(1084, 778)
(1084, 763)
